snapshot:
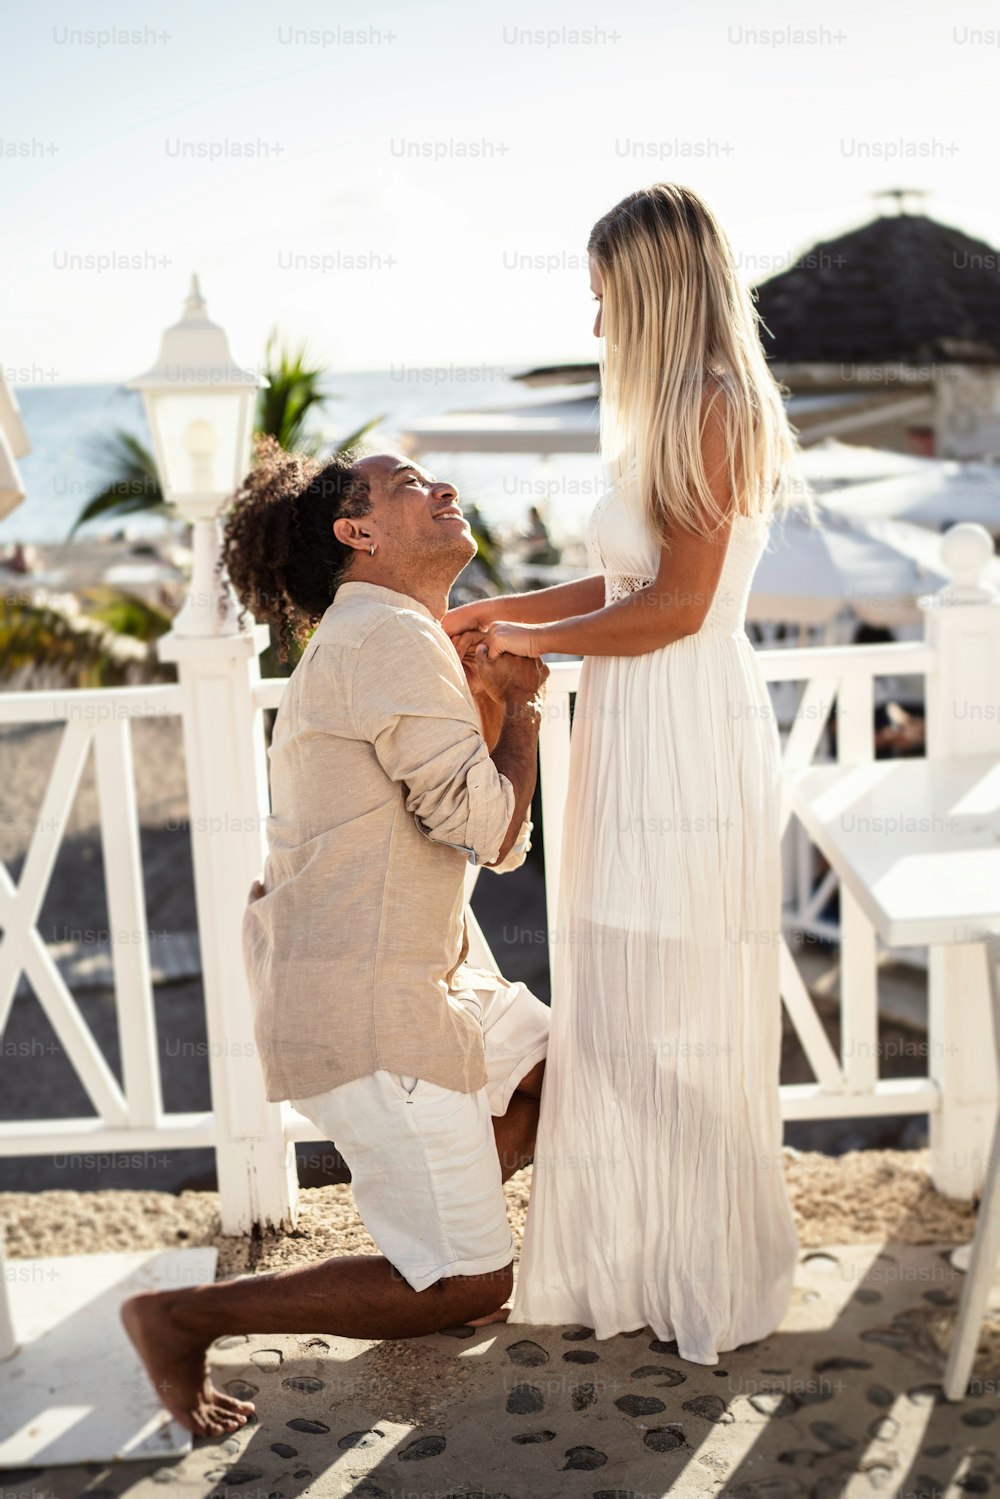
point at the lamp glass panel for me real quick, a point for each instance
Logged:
(201, 439)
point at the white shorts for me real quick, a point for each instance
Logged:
(424, 1167)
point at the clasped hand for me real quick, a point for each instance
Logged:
(494, 666)
(500, 636)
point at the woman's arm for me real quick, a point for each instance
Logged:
(542, 604)
(581, 596)
(675, 604)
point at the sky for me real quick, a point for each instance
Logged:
(412, 185)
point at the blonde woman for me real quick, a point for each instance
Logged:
(658, 1195)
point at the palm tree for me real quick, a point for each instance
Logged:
(294, 390)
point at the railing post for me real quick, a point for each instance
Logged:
(8, 1335)
(962, 624)
(228, 800)
(858, 946)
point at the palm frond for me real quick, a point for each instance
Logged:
(347, 443)
(489, 556)
(294, 390)
(83, 652)
(132, 486)
(125, 613)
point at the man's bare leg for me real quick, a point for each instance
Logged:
(353, 1297)
(515, 1136)
(515, 1131)
(358, 1296)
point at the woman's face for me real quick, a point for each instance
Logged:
(597, 287)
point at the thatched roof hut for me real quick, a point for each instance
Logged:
(901, 288)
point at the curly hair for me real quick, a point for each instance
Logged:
(278, 545)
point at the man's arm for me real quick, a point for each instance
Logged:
(491, 716)
(515, 689)
(490, 711)
(516, 757)
(410, 701)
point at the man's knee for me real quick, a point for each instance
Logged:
(494, 1288)
(481, 1294)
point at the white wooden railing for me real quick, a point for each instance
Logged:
(220, 699)
(843, 676)
(128, 1116)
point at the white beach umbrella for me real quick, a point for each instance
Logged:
(948, 494)
(921, 545)
(14, 444)
(809, 575)
(832, 464)
(10, 421)
(11, 484)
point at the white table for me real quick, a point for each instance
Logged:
(917, 843)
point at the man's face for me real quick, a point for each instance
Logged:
(414, 517)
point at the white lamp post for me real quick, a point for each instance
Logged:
(200, 409)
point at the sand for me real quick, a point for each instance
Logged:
(868, 1196)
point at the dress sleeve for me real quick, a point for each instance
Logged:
(413, 704)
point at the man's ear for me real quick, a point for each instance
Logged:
(348, 532)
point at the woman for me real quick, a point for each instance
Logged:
(658, 1196)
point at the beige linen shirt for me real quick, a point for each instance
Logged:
(382, 792)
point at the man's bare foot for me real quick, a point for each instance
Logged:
(500, 1315)
(175, 1362)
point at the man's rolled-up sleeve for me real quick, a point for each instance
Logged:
(411, 702)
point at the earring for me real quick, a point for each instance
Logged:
(371, 550)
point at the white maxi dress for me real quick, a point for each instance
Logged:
(658, 1195)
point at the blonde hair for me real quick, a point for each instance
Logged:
(680, 336)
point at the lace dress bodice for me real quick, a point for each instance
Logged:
(621, 545)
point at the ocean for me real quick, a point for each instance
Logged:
(65, 422)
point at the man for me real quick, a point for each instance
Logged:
(425, 1072)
